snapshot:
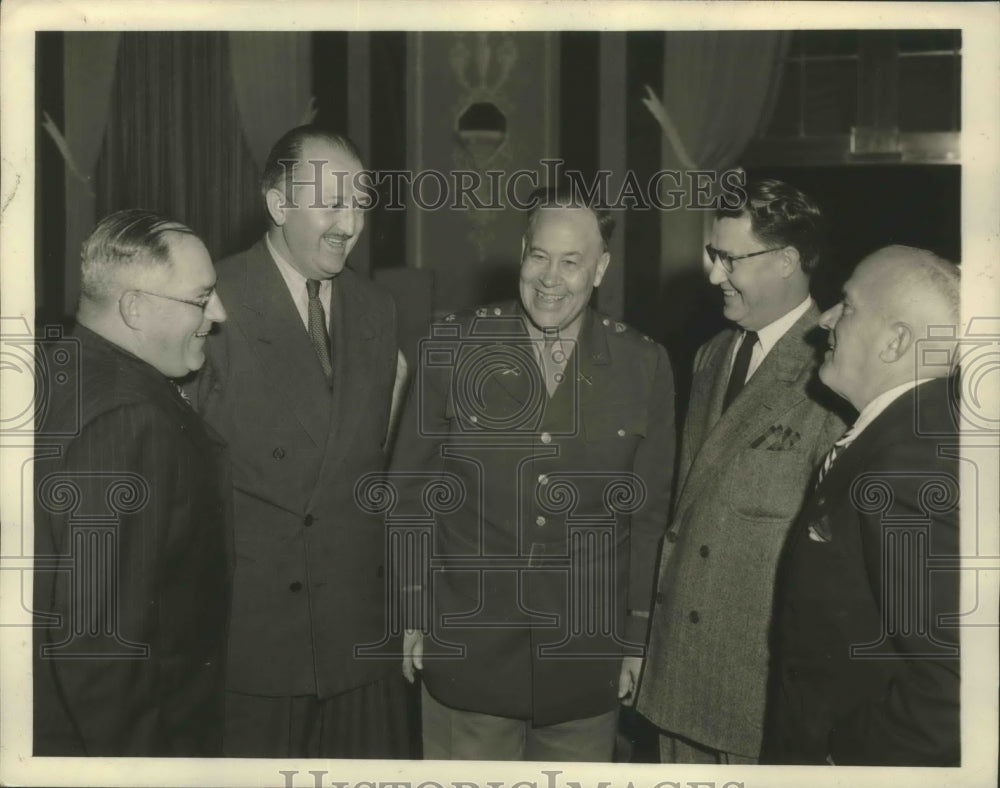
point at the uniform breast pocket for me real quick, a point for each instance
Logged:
(769, 485)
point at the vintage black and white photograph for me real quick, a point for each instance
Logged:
(579, 392)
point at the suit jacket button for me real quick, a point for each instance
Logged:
(295, 587)
(671, 536)
(308, 520)
(703, 551)
(693, 615)
(278, 454)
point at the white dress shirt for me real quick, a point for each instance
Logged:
(296, 284)
(769, 335)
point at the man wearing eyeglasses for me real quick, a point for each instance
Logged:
(132, 514)
(753, 436)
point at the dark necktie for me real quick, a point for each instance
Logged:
(740, 368)
(317, 329)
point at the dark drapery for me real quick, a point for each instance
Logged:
(174, 141)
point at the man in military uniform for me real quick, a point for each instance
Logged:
(537, 595)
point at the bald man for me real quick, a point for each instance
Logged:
(866, 670)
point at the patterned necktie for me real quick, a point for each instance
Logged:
(738, 377)
(317, 329)
(839, 445)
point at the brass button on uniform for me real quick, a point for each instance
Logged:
(546, 438)
(539, 520)
(621, 433)
(543, 479)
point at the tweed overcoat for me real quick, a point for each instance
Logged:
(743, 477)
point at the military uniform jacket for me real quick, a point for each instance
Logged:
(559, 503)
(310, 578)
(743, 477)
(131, 495)
(866, 628)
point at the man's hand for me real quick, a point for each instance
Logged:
(413, 653)
(628, 679)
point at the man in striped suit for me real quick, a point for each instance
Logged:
(131, 508)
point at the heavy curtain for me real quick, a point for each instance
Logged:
(719, 90)
(174, 141)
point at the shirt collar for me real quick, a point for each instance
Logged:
(874, 408)
(294, 281)
(769, 335)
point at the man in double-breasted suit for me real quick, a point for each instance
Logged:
(866, 669)
(753, 436)
(555, 427)
(300, 385)
(132, 509)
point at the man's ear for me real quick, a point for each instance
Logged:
(277, 204)
(900, 342)
(790, 261)
(602, 265)
(130, 308)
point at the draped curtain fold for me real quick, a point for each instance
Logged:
(719, 90)
(174, 141)
(272, 81)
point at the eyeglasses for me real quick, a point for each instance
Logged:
(202, 303)
(727, 260)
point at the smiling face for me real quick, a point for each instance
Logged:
(562, 261)
(760, 289)
(172, 334)
(319, 232)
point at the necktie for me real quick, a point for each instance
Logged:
(740, 368)
(553, 358)
(317, 329)
(839, 445)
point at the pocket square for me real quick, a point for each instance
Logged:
(819, 530)
(776, 438)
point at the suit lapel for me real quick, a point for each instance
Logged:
(274, 328)
(770, 392)
(353, 333)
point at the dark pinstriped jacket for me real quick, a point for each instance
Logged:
(132, 523)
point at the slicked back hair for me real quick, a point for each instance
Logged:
(781, 215)
(120, 243)
(279, 170)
